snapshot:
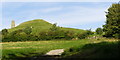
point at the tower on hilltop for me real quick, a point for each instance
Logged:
(12, 24)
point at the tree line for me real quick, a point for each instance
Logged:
(53, 33)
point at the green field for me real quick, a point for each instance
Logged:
(26, 49)
(14, 50)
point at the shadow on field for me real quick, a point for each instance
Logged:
(103, 50)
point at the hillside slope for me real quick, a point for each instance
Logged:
(39, 25)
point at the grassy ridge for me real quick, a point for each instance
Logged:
(39, 25)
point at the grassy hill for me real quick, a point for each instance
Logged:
(39, 25)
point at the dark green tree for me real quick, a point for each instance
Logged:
(4, 32)
(99, 31)
(27, 30)
(89, 32)
(112, 26)
(54, 27)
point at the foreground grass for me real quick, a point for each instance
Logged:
(32, 48)
(16, 50)
(102, 50)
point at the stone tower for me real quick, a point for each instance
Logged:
(12, 24)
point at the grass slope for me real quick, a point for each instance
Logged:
(39, 25)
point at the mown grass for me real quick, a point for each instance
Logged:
(28, 49)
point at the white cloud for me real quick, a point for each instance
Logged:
(47, 10)
(80, 15)
(43, 10)
(60, 0)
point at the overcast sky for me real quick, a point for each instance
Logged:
(81, 15)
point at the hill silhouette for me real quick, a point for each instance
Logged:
(39, 25)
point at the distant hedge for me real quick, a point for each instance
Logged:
(54, 33)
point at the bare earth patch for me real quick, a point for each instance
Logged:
(55, 52)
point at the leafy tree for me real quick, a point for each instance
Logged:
(112, 26)
(4, 32)
(99, 31)
(16, 35)
(13, 36)
(82, 35)
(28, 30)
(42, 35)
(16, 32)
(89, 32)
(69, 34)
(54, 27)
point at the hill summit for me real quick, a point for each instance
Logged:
(39, 25)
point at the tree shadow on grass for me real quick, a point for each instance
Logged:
(103, 50)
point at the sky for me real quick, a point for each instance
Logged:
(60, 0)
(80, 15)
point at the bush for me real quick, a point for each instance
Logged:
(84, 35)
(55, 33)
(69, 34)
(117, 36)
(27, 30)
(4, 32)
(17, 35)
(99, 31)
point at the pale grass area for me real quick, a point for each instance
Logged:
(19, 47)
(26, 42)
(29, 44)
(42, 44)
(104, 39)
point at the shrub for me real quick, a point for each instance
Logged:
(117, 36)
(17, 35)
(27, 30)
(4, 32)
(69, 34)
(99, 31)
(83, 35)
